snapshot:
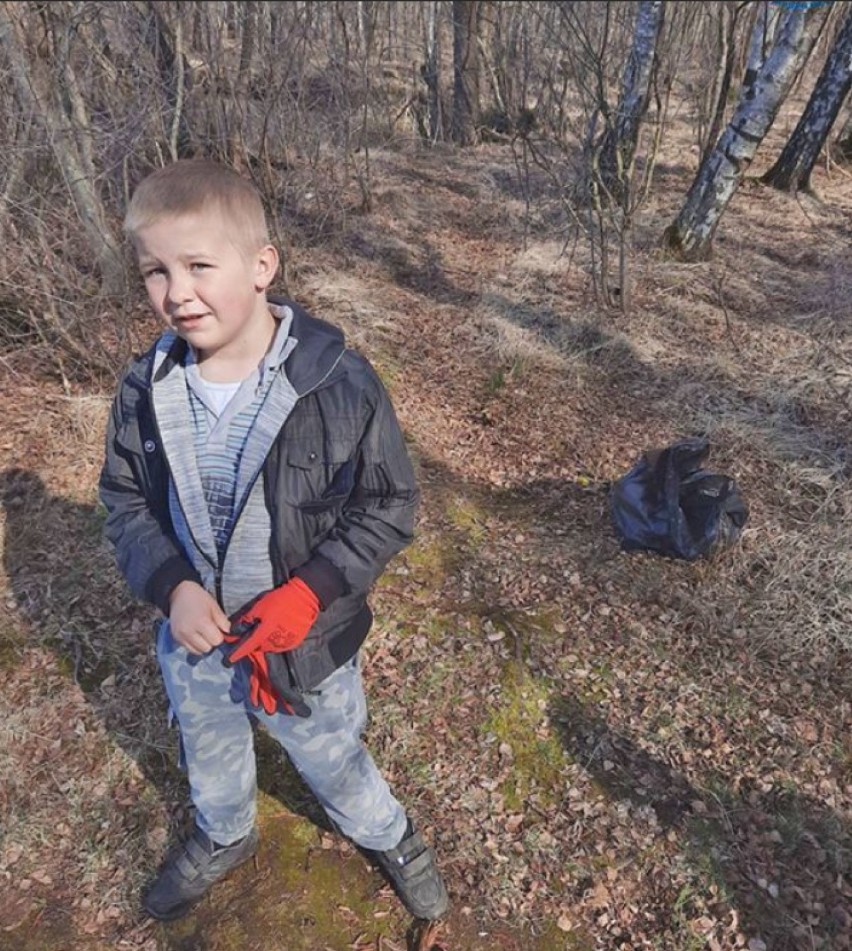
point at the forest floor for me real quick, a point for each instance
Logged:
(608, 750)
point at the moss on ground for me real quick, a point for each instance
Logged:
(430, 560)
(297, 896)
(469, 519)
(524, 626)
(521, 722)
(553, 939)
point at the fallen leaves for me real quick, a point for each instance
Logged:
(702, 786)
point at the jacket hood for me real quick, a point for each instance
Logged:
(319, 348)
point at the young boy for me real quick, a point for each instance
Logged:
(256, 483)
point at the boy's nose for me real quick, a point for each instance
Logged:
(180, 290)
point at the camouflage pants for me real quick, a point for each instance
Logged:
(211, 706)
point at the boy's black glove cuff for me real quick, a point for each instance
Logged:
(166, 578)
(323, 578)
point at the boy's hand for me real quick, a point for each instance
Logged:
(197, 622)
(278, 621)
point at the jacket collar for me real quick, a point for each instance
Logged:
(319, 347)
(312, 363)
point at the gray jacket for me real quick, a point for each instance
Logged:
(327, 494)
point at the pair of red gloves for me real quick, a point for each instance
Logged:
(276, 622)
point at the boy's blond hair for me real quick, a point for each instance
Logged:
(192, 186)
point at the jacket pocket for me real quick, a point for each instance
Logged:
(336, 493)
(315, 482)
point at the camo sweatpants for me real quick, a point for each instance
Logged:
(212, 709)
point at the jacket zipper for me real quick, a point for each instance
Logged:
(291, 669)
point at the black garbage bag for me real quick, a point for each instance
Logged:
(670, 504)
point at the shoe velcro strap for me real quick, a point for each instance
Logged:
(192, 858)
(409, 848)
(417, 865)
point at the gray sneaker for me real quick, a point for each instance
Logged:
(189, 871)
(411, 870)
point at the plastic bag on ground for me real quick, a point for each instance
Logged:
(670, 504)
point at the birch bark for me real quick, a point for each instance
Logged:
(760, 40)
(690, 236)
(792, 170)
(619, 142)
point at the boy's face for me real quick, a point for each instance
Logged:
(205, 287)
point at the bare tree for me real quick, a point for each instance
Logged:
(165, 38)
(366, 25)
(465, 71)
(726, 39)
(792, 170)
(60, 106)
(690, 236)
(622, 130)
(432, 72)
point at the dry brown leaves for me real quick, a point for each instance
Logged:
(603, 750)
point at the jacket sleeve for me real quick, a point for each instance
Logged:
(378, 519)
(137, 522)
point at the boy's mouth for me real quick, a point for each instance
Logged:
(188, 321)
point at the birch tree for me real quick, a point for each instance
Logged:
(622, 133)
(760, 40)
(726, 38)
(792, 170)
(690, 236)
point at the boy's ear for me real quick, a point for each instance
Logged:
(265, 267)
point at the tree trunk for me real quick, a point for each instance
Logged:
(792, 170)
(238, 112)
(166, 43)
(619, 142)
(690, 236)
(40, 95)
(431, 73)
(727, 43)
(465, 71)
(760, 41)
(366, 26)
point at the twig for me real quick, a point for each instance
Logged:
(720, 280)
(516, 637)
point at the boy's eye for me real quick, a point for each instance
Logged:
(199, 266)
(152, 272)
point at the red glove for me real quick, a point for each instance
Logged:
(280, 620)
(261, 692)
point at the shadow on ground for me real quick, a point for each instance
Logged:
(780, 858)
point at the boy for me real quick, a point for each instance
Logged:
(256, 483)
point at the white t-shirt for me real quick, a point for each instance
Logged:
(220, 394)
